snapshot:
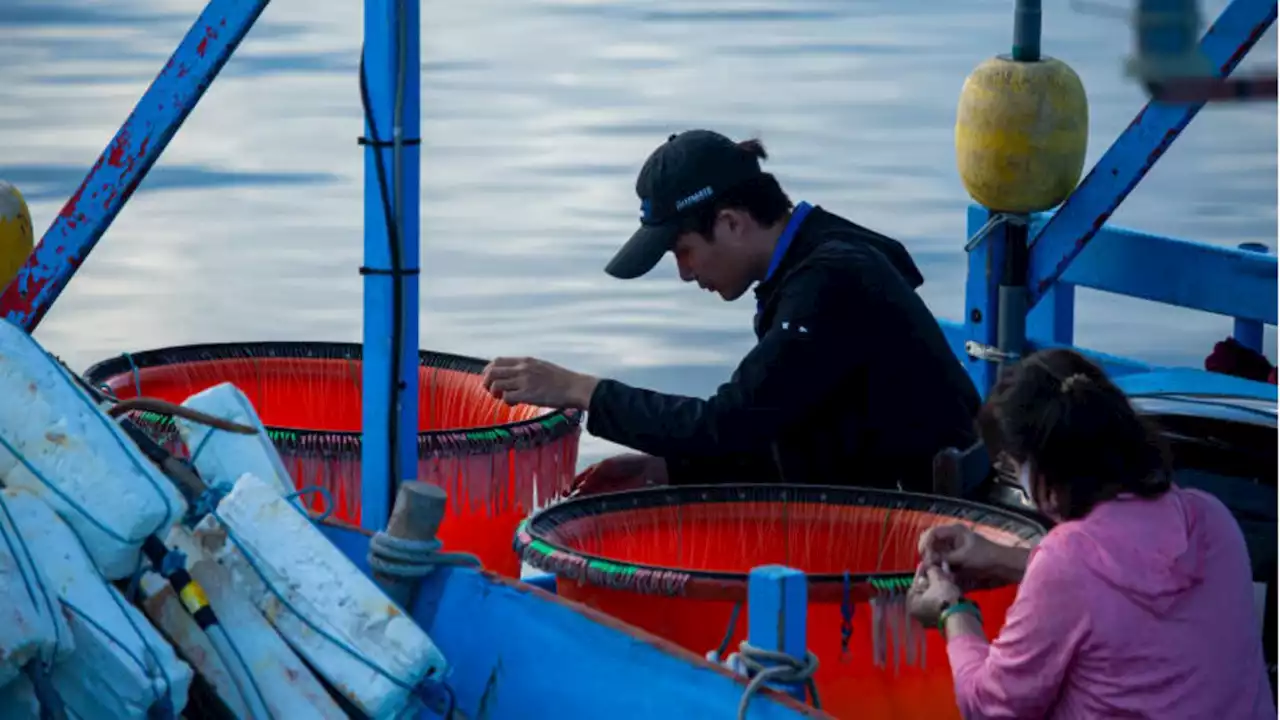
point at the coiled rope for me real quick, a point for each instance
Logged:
(769, 666)
(403, 558)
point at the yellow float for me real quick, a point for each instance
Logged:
(1022, 129)
(16, 238)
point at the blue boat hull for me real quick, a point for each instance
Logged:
(518, 652)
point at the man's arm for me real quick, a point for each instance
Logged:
(824, 322)
(749, 468)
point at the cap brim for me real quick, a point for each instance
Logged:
(642, 252)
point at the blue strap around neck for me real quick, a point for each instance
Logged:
(788, 234)
(798, 215)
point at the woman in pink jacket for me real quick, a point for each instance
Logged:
(1137, 604)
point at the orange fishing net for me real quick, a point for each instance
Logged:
(675, 562)
(494, 460)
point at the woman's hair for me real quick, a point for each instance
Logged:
(762, 197)
(1060, 412)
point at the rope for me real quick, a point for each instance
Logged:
(715, 655)
(313, 490)
(209, 499)
(765, 666)
(195, 454)
(397, 557)
(846, 616)
(137, 375)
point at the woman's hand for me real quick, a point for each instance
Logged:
(975, 561)
(537, 382)
(932, 590)
(621, 472)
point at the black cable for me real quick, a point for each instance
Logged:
(397, 276)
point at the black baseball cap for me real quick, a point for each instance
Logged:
(689, 170)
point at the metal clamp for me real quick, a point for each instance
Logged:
(988, 353)
(995, 221)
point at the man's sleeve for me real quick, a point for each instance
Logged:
(739, 468)
(814, 340)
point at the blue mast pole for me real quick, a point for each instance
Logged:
(391, 99)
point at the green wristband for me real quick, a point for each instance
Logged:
(960, 606)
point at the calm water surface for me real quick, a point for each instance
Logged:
(536, 117)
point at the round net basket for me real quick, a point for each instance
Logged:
(674, 561)
(495, 461)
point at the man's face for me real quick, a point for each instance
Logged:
(718, 264)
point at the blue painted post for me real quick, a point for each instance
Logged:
(137, 145)
(391, 65)
(777, 614)
(1249, 332)
(1136, 151)
(1053, 319)
(982, 296)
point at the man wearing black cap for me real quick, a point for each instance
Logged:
(851, 382)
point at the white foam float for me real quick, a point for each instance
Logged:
(121, 666)
(326, 589)
(287, 687)
(220, 456)
(35, 629)
(57, 443)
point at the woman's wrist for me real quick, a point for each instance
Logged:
(961, 605)
(961, 618)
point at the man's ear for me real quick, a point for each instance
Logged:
(733, 220)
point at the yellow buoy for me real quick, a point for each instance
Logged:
(16, 239)
(1022, 129)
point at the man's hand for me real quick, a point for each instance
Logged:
(537, 382)
(620, 472)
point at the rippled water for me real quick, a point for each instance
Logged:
(536, 117)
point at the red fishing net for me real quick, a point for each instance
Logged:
(675, 562)
(492, 459)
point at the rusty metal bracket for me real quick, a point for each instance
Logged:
(142, 138)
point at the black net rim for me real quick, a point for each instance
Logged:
(549, 425)
(534, 531)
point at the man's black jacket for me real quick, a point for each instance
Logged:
(851, 382)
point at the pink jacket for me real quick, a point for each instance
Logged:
(1143, 609)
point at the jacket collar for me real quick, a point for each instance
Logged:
(793, 246)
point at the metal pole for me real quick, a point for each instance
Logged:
(1026, 30)
(1011, 313)
(1249, 332)
(1011, 317)
(390, 89)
